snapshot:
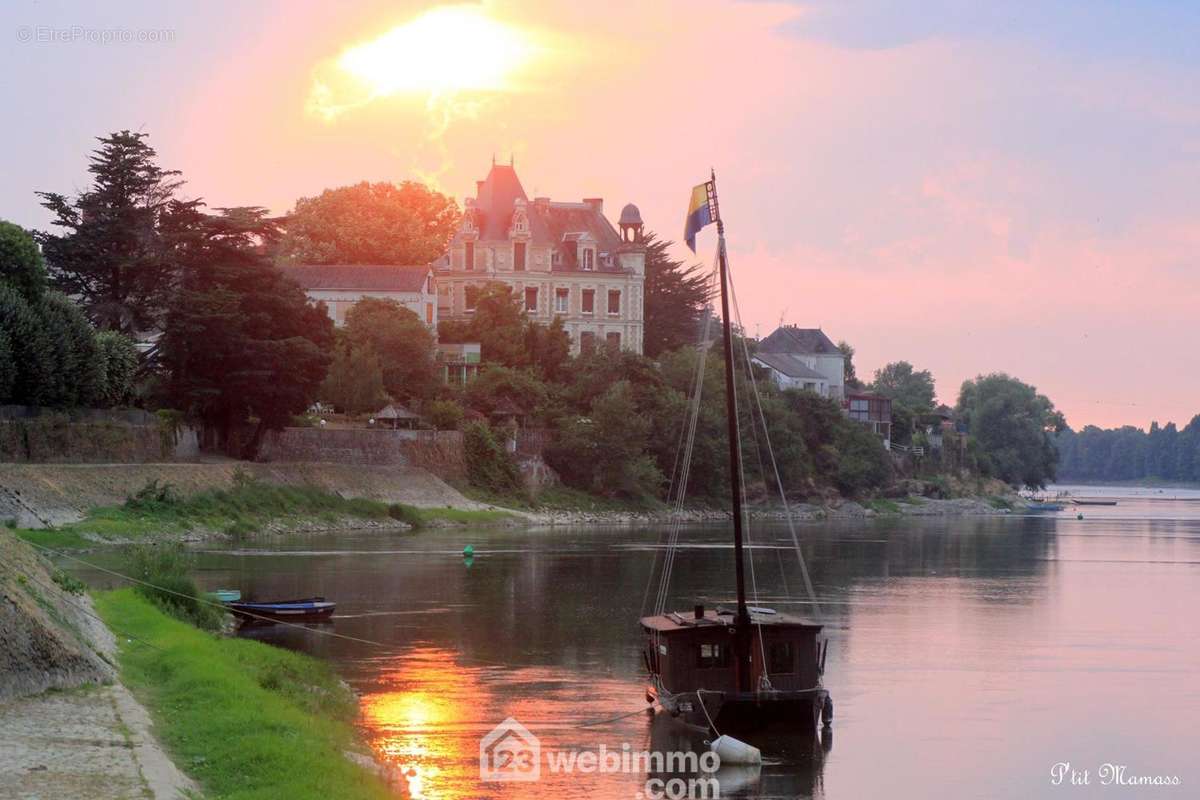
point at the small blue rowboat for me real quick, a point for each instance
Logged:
(225, 595)
(308, 609)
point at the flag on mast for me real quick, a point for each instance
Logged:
(701, 212)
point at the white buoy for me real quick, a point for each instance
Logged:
(734, 751)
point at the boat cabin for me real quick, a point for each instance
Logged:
(696, 651)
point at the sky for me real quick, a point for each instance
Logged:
(970, 187)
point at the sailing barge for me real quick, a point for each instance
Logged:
(747, 668)
(714, 672)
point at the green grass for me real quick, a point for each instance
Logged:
(1000, 502)
(242, 510)
(882, 505)
(246, 720)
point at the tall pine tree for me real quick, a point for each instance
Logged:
(111, 255)
(675, 298)
(242, 348)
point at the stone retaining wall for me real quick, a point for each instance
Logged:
(440, 452)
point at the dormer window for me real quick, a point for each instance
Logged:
(606, 259)
(589, 259)
(555, 258)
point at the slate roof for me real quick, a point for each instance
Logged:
(551, 223)
(789, 365)
(790, 339)
(360, 277)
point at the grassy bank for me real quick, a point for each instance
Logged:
(244, 719)
(249, 506)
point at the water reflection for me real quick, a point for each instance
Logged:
(966, 654)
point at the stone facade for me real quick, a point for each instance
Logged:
(563, 260)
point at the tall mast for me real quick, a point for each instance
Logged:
(735, 458)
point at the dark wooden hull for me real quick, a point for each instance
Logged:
(796, 711)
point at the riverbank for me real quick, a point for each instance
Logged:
(68, 728)
(249, 506)
(77, 506)
(242, 718)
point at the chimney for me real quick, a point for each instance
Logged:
(541, 204)
(596, 203)
(698, 611)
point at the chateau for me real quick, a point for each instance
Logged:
(561, 259)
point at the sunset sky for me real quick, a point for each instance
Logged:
(970, 187)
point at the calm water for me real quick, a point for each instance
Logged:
(968, 656)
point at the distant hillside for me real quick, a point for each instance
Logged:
(1130, 454)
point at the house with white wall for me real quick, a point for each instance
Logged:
(340, 286)
(803, 358)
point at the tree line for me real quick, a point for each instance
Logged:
(50, 354)
(1163, 453)
(238, 348)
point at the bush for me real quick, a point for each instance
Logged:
(119, 359)
(167, 571)
(153, 498)
(33, 354)
(489, 465)
(21, 265)
(445, 415)
(863, 464)
(77, 376)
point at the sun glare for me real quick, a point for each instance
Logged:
(449, 49)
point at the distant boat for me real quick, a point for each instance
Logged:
(225, 595)
(1079, 502)
(309, 609)
(1043, 505)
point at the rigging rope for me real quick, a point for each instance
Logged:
(808, 585)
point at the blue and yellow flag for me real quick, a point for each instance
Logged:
(699, 214)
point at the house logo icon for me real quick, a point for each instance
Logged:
(509, 752)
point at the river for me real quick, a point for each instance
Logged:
(968, 656)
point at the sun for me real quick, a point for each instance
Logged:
(448, 49)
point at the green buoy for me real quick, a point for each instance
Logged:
(468, 551)
(1079, 516)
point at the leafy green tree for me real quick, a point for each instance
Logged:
(606, 451)
(77, 376)
(242, 348)
(1012, 426)
(112, 255)
(675, 298)
(549, 349)
(370, 223)
(401, 340)
(444, 415)
(489, 466)
(498, 388)
(850, 373)
(355, 379)
(508, 337)
(862, 463)
(120, 362)
(905, 386)
(498, 324)
(33, 354)
(21, 263)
